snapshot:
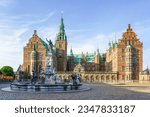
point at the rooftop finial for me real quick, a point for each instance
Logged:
(129, 28)
(35, 32)
(62, 30)
(115, 36)
(62, 14)
(71, 52)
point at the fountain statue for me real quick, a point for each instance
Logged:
(50, 74)
(49, 80)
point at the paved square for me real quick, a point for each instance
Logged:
(98, 92)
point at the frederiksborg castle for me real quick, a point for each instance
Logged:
(122, 61)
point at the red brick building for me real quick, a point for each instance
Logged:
(124, 57)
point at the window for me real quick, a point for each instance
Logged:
(123, 68)
(40, 56)
(60, 45)
(132, 42)
(29, 57)
(123, 59)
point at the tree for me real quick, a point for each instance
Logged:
(0, 72)
(7, 71)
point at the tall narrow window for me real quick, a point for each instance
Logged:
(123, 68)
(60, 45)
(28, 68)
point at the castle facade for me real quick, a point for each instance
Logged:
(122, 61)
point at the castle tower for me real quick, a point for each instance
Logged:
(130, 55)
(70, 63)
(61, 48)
(97, 60)
(97, 57)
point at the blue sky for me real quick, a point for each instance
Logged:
(89, 24)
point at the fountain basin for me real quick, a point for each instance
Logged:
(38, 87)
(46, 88)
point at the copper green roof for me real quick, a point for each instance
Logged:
(78, 58)
(62, 27)
(44, 44)
(61, 35)
(71, 52)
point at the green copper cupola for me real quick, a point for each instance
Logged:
(61, 35)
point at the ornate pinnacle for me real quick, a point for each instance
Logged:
(35, 31)
(129, 29)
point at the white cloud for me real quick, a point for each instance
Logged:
(12, 42)
(38, 20)
(11, 49)
(48, 32)
(4, 3)
(85, 44)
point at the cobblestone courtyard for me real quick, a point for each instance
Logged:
(98, 92)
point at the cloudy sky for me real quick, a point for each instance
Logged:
(89, 24)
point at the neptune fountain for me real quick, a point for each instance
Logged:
(49, 80)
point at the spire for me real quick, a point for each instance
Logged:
(71, 52)
(34, 33)
(129, 29)
(109, 44)
(61, 35)
(61, 29)
(97, 52)
(147, 66)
